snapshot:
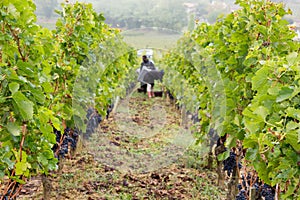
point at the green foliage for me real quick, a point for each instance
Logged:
(38, 71)
(24, 137)
(244, 72)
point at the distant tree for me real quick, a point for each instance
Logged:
(130, 14)
(170, 14)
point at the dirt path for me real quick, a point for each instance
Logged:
(140, 152)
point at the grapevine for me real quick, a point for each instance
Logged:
(242, 72)
(39, 69)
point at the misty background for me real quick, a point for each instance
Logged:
(170, 17)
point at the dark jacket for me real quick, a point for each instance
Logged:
(148, 64)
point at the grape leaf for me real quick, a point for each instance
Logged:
(14, 129)
(262, 112)
(291, 125)
(284, 94)
(292, 139)
(21, 168)
(292, 58)
(24, 106)
(260, 78)
(223, 156)
(14, 87)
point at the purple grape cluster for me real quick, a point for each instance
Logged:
(63, 142)
(109, 109)
(267, 192)
(170, 95)
(262, 189)
(242, 195)
(93, 121)
(230, 163)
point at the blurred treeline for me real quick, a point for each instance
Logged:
(170, 14)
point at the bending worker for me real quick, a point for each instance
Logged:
(147, 65)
